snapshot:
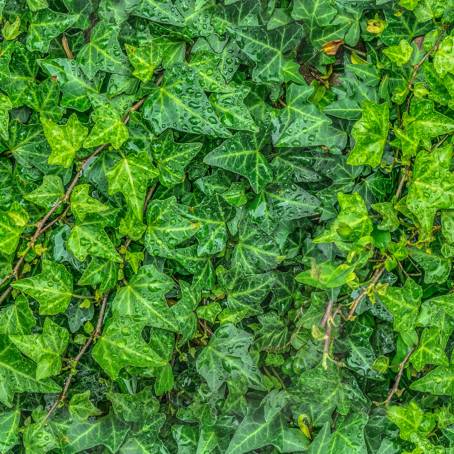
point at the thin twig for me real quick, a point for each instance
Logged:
(327, 322)
(402, 180)
(375, 278)
(395, 387)
(57, 219)
(66, 48)
(75, 362)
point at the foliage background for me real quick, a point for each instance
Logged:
(226, 227)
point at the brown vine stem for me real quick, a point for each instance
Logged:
(375, 278)
(395, 387)
(75, 362)
(41, 226)
(327, 323)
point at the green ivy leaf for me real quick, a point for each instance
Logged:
(81, 407)
(180, 103)
(370, 133)
(83, 205)
(18, 374)
(227, 356)
(9, 429)
(172, 158)
(168, 225)
(91, 240)
(431, 187)
(52, 288)
(144, 298)
(48, 193)
(108, 128)
(45, 26)
(5, 106)
(301, 124)
(131, 176)
(64, 140)
(12, 223)
(145, 60)
(44, 349)
(103, 52)
(399, 54)
(242, 154)
(403, 303)
(122, 345)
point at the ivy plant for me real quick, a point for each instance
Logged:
(226, 226)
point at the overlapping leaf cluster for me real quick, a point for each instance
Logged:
(226, 226)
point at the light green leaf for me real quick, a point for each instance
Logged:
(420, 125)
(370, 133)
(91, 239)
(17, 318)
(399, 54)
(83, 205)
(131, 176)
(48, 193)
(36, 5)
(326, 275)
(351, 226)
(108, 128)
(64, 140)
(52, 288)
(11, 30)
(145, 59)
(439, 382)
(444, 59)
(436, 268)
(100, 272)
(81, 407)
(403, 304)
(411, 421)
(12, 223)
(431, 187)
(5, 106)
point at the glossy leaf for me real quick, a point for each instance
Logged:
(52, 288)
